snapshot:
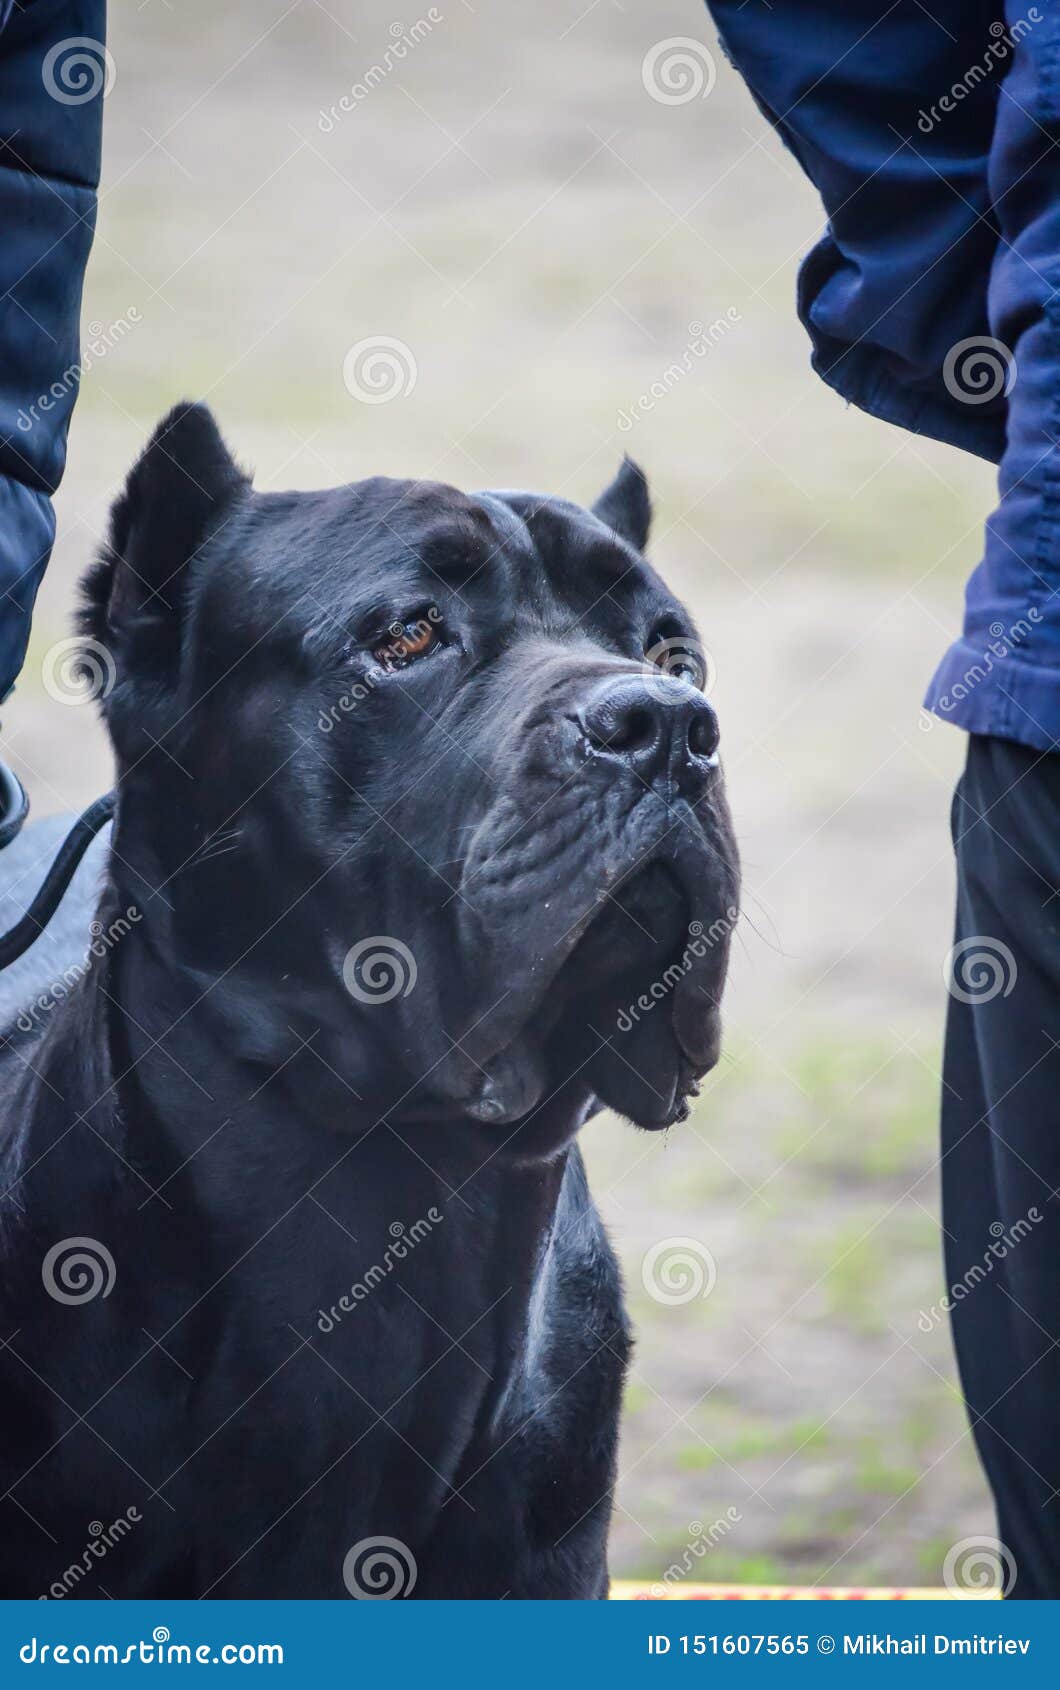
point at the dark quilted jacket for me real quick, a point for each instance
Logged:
(53, 73)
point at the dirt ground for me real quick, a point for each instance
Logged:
(547, 239)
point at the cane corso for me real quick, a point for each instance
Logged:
(420, 858)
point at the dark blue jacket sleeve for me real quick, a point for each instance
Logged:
(932, 133)
(53, 74)
(890, 107)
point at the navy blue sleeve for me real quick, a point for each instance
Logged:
(890, 109)
(1002, 677)
(932, 134)
(53, 75)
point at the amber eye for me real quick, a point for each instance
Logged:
(407, 641)
(417, 637)
(677, 653)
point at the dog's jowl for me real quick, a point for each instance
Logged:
(421, 858)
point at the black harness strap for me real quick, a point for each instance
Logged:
(20, 937)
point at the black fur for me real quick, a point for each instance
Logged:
(532, 825)
(625, 506)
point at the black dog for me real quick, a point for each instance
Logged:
(418, 861)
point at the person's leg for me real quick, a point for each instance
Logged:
(1001, 1141)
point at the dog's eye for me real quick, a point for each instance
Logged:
(407, 641)
(676, 653)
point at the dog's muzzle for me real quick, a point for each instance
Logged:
(663, 731)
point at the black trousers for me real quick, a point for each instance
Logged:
(1001, 1143)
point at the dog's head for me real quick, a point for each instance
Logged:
(422, 776)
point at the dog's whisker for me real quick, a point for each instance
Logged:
(216, 845)
(774, 943)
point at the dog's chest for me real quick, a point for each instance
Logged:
(483, 1442)
(313, 1395)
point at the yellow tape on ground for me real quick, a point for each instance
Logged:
(632, 1590)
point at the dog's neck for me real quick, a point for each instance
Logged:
(197, 1127)
(248, 1208)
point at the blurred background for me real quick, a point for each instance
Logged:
(579, 254)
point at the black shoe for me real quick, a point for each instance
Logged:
(14, 805)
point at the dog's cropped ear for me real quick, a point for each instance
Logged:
(176, 494)
(625, 506)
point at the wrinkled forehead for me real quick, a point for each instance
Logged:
(525, 541)
(342, 549)
(566, 544)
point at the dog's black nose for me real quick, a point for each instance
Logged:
(661, 728)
